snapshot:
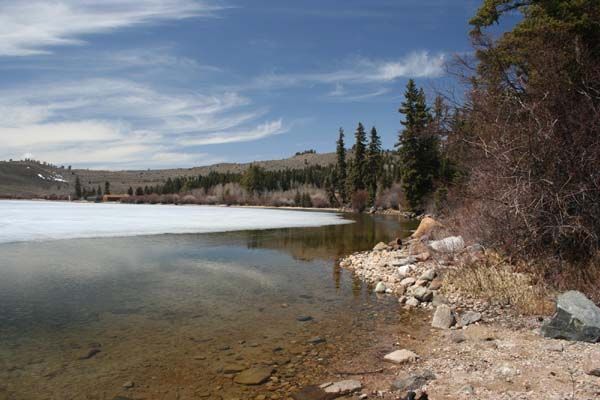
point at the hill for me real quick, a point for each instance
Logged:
(27, 179)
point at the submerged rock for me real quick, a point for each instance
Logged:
(380, 288)
(254, 376)
(577, 318)
(342, 387)
(313, 393)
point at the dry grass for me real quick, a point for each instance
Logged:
(494, 280)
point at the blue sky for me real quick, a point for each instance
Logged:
(169, 83)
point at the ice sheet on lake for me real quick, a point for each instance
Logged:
(40, 220)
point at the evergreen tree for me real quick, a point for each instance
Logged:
(341, 167)
(418, 147)
(99, 191)
(106, 187)
(357, 172)
(139, 191)
(374, 165)
(77, 188)
(330, 185)
(130, 191)
(298, 199)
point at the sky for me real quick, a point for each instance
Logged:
(136, 84)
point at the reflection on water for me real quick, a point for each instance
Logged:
(168, 311)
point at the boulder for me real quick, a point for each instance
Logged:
(421, 293)
(412, 302)
(469, 317)
(413, 381)
(426, 226)
(443, 318)
(380, 288)
(254, 376)
(401, 356)
(395, 244)
(577, 318)
(404, 261)
(380, 246)
(450, 244)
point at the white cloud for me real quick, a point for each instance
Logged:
(419, 64)
(31, 27)
(123, 123)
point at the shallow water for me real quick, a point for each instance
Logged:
(168, 312)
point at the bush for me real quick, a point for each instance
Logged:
(359, 200)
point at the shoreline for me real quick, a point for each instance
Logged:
(479, 349)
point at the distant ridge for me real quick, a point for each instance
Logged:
(27, 179)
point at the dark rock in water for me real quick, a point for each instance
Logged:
(413, 381)
(90, 353)
(304, 318)
(317, 340)
(413, 396)
(594, 372)
(313, 393)
(577, 318)
(122, 398)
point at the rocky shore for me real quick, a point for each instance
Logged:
(471, 348)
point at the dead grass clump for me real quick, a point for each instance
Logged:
(496, 281)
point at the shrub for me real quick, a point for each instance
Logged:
(359, 200)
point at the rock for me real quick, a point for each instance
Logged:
(90, 353)
(233, 368)
(577, 318)
(342, 387)
(421, 293)
(506, 371)
(593, 372)
(426, 226)
(128, 385)
(467, 389)
(428, 275)
(254, 376)
(380, 247)
(317, 340)
(395, 244)
(412, 302)
(435, 284)
(475, 248)
(438, 299)
(401, 356)
(404, 270)
(457, 336)
(406, 282)
(404, 261)
(304, 318)
(413, 381)
(443, 318)
(450, 244)
(555, 347)
(423, 256)
(469, 317)
(421, 282)
(313, 393)
(380, 288)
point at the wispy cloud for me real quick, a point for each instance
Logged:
(121, 122)
(419, 64)
(33, 27)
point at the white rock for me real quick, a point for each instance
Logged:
(380, 288)
(450, 244)
(404, 270)
(443, 318)
(401, 356)
(412, 302)
(428, 275)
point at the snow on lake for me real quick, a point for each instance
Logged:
(39, 220)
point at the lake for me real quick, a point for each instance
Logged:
(177, 315)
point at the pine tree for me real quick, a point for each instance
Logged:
(77, 188)
(357, 172)
(99, 191)
(374, 160)
(418, 147)
(341, 167)
(130, 191)
(106, 187)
